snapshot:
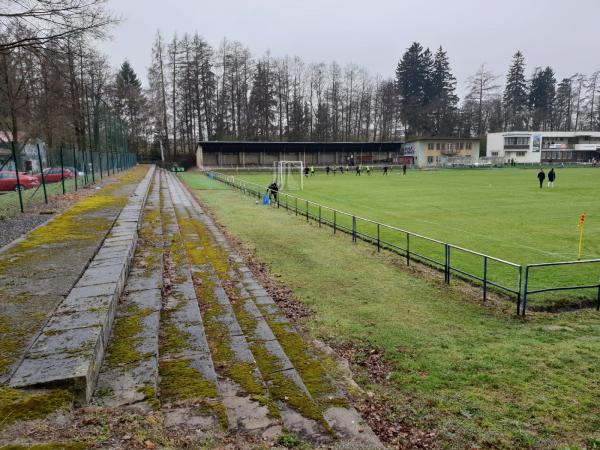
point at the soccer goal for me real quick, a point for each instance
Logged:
(289, 175)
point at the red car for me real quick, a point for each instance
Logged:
(8, 181)
(54, 175)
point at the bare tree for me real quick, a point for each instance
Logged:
(481, 87)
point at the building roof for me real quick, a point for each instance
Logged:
(550, 133)
(438, 138)
(257, 146)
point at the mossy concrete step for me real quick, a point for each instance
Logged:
(240, 386)
(186, 371)
(292, 368)
(129, 372)
(287, 392)
(69, 350)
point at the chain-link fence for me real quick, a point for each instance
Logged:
(32, 173)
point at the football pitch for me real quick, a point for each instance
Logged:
(499, 212)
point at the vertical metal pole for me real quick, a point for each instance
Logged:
(334, 219)
(62, 170)
(42, 174)
(296, 205)
(319, 216)
(519, 289)
(484, 278)
(353, 229)
(307, 210)
(525, 291)
(18, 186)
(92, 166)
(378, 244)
(407, 249)
(75, 167)
(446, 264)
(598, 303)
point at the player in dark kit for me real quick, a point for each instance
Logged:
(385, 170)
(541, 177)
(357, 170)
(273, 189)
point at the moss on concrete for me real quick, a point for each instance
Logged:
(123, 348)
(17, 405)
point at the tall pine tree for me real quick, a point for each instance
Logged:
(412, 82)
(515, 95)
(443, 96)
(541, 98)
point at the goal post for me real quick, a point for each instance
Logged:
(289, 175)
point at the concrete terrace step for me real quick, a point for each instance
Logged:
(187, 373)
(244, 394)
(70, 348)
(129, 373)
(284, 359)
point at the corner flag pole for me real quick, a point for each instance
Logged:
(580, 226)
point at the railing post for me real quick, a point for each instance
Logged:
(42, 174)
(447, 263)
(307, 210)
(334, 220)
(598, 303)
(525, 291)
(353, 229)
(296, 203)
(15, 162)
(484, 278)
(378, 244)
(319, 216)
(407, 249)
(519, 289)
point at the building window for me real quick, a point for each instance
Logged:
(494, 153)
(438, 146)
(430, 146)
(462, 145)
(516, 142)
(469, 146)
(521, 153)
(430, 159)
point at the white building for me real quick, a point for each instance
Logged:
(544, 146)
(442, 151)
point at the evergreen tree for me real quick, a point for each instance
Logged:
(562, 117)
(262, 102)
(412, 83)
(443, 96)
(515, 95)
(541, 98)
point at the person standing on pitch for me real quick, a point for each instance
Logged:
(312, 170)
(327, 169)
(541, 177)
(385, 170)
(358, 170)
(306, 171)
(403, 169)
(368, 170)
(551, 177)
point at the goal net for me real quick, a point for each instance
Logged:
(289, 175)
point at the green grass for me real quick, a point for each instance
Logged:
(500, 212)
(476, 376)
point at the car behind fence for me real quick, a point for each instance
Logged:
(487, 271)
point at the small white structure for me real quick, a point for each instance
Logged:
(544, 146)
(289, 175)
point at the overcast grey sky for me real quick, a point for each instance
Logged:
(564, 34)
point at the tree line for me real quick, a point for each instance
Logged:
(55, 85)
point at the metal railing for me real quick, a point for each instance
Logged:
(531, 268)
(448, 258)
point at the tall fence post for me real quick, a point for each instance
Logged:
(524, 305)
(407, 249)
(92, 166)
(598, 302)
(319, 216)
(353, 228)
(42, 174)
(307, 210)
(484, 278)
(75, 167)
(296, 203)
(378, 240)
(62, 170)
(16, 163)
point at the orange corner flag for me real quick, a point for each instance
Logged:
(581, 220)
